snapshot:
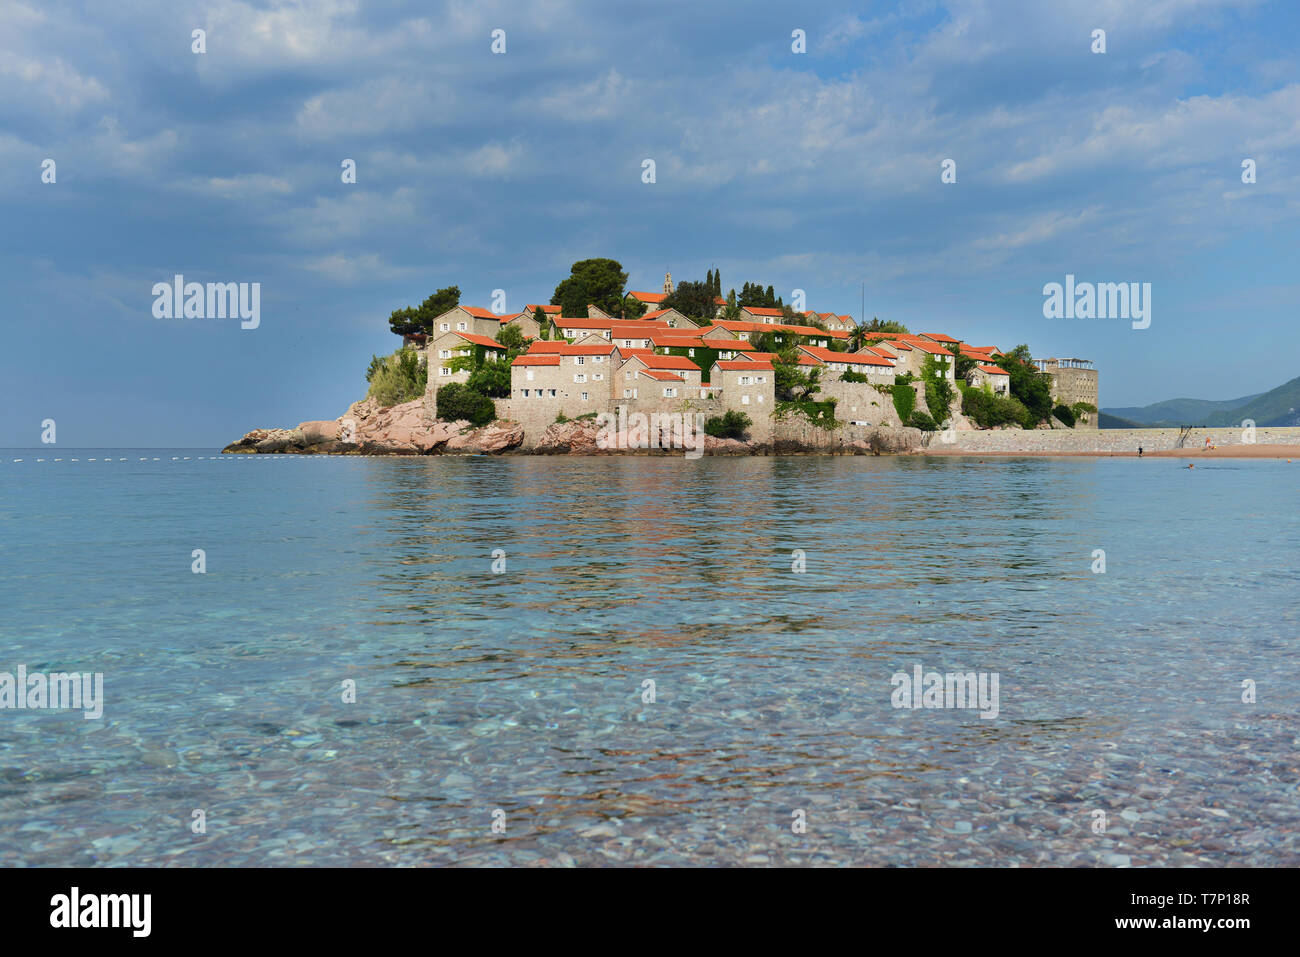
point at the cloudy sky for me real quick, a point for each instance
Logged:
(817, 171)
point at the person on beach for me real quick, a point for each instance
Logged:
(1139, 451)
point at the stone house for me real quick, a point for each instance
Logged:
(938, 337)
(782, 332)
(525, 323)
(748, 386)
(670, 317)
(703, 352)
(762, 314)
(635, 328)
(878, 368)
(996, 378)
(555, 377)
(912, 352)
(1073, 380)
(650, 300)
(467, 319)
(677, 375)
(417, 341)
(446, 347)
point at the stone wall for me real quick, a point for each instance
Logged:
(1107, 440)
(859, 402)
(796, 431)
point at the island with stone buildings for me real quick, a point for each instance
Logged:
(693, 370)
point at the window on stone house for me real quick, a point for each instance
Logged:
(584, 397)
(445, 327)
(579, 378)
(552, 392)
(579, 360)
(744, 400)
(670, 393)
(461, 326)
(529, 375)
(444, 371)
(597, 377)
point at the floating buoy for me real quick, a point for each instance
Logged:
(1190, 466)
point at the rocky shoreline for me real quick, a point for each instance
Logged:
(368, 429)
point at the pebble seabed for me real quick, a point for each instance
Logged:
(1121, 695)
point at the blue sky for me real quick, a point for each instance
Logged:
(817, 171)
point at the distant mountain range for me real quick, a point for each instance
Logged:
(1278, 407)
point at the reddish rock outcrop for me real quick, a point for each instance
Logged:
(370, 429)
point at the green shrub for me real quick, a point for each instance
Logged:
(904, 401)
(939, 391)
(987, 410)
(730, 425)
(457, 401)
(851, 376)
(399, 378)
(1065, 414)
(921, 420)
(820, 414)
(491, 379)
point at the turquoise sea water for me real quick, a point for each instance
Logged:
(521, 690)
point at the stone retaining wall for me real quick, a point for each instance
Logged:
(1107, 440)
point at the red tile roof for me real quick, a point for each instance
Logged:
(480, 340)
(848, 358)
(763, 311)
(532, 359)
(742, 326)
(560, 347)
(938, 336)
(742, 365)
(481, 313)
(653, 361)
(662, 375)
(931, 347)
(683, 341)
(648, 296)
(770, 357)
(992, 370)
(678, 342)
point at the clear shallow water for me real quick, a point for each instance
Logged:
(522, 691)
